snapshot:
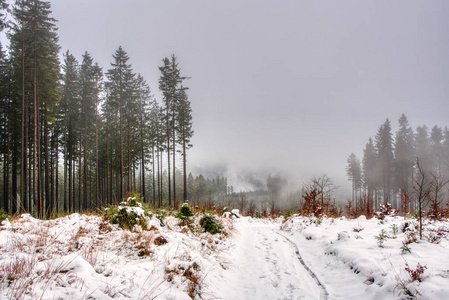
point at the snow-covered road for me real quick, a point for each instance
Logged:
(261, 265)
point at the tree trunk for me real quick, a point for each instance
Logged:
(48, 203)
(52, 171)
(35, 149)
(168, 159)
(66, 207)
(97, 167)
(14, 175)
(108, 176)
(143, 170)
(184, 168)
(56, 174)
(69, 160)
(6, 182)
(85, 169)
(30, 171)
(121, 189)
(23, 172)
(129, 181)
(174, 168)
(25, 178)
(153, 176)
(40, 168)
(80, 180)
(159, 179)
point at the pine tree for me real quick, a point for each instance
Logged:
(89, 76)
(69, 110)
(384, 150)
(9, 133)
(354, 172)
(184, 121)
(120, 89)
(3, 8)
(436, 151)
(446, 152)
(370, 169)
(423, 148)
(34, 45)
(98, 79)
(144, 132)
(170, 82)
(404, 155)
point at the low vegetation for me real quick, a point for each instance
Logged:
(210, 224)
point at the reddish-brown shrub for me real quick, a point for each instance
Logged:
(311, 205)
(386, 210)
(416, 274)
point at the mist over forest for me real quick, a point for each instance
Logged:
(84, 129)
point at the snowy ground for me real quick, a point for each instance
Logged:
(82, 257)
(347, 258)
(261, 265)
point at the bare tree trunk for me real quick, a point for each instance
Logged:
(14, 175)
(66, 208)
(85, 169)
(26, 179)
(153, 176)
(143, 171)
(184, 167)
(40, 174)
(35, 149)
(69, 161)
(129, 181)
(79, 175)
(159, 176)
(97, 167)
(108, 178)
(57, 175)
(52, 170)
(48, 204)
(23, 172)
(174, 162)
(6, 202)
(30, 170)
(121, 189)
(168, 159)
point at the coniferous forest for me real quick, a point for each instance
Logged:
(408, 169)
(76, 136)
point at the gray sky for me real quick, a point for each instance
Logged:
(286, 86)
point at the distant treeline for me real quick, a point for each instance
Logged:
(75, 137)
(394, 168)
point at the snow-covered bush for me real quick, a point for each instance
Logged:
(160, 214)
(385, 210)
(210, 224)
(128, 214)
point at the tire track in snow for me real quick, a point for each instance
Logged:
(323, 292)
(261, 266)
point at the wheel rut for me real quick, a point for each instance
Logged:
(324, 295)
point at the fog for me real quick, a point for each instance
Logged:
(290, 87)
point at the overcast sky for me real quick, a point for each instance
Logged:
(286, 86)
